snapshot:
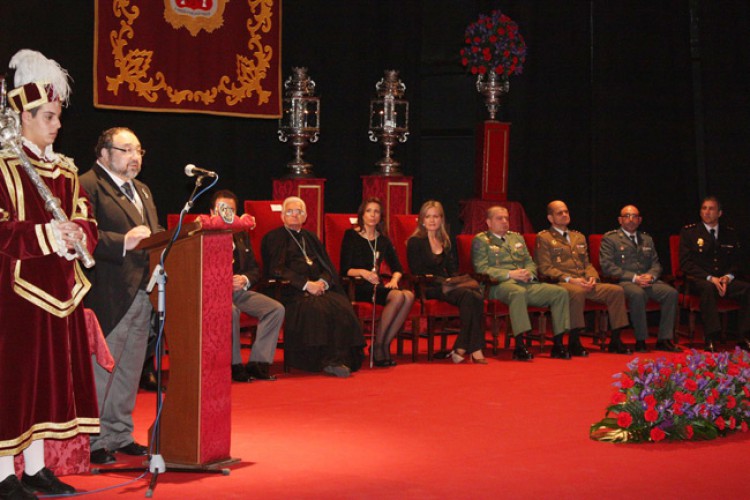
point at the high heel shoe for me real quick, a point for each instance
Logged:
(456, 357)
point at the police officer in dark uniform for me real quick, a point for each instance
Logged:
(709, 257)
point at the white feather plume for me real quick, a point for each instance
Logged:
(33, 66)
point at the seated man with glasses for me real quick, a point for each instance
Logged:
(322, 331)
(629, 255)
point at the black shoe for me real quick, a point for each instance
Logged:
(577, 349)
(46, 482)
(148, 381)
(13, 489)
(134, 449)
(559, 352)
(667, 345)
(709, 345)
(617, 347)
(520, 353)
(381, 363)
(239, 373)
(744, 344)
(341, 371)
(259, 371)
(391, 362)
(102, 456)
(640, 346)
(442, 354)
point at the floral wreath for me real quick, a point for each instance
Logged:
(493, 43)
(698, 395)
(134, 65)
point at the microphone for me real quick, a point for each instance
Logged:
(191, 171)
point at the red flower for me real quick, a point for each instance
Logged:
(651, 415)
(487, 56)
(743, 426)
(733, 370)
(731, 402)
(482, 70)
(657, 434)
(710, 361)
(689, 431)
(732, 423)
(746, 390)
(677, 409)
(501, 31)
(690, 385)
(477, 39)
(650, 401)
(618, 398)
(720, 423)
(626, 382)
(493, 39)
(474, 70)
(624, 419)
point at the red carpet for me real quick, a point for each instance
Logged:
(438, 430)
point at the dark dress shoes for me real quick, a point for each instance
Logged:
(239, 373)
(148, 381)
(340, 371)
(559, 352)
(667, 345)
(102, 456)
(13, 489)
(259, 371)
(520, 353)
(577, 349)
(133, 449)
(640, 346)
(617, 347)
(46, 482)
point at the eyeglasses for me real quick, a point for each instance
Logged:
(630, 216)
(295, 211)
(140, 152)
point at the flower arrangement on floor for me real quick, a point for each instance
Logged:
(493, 43)
(695, 395)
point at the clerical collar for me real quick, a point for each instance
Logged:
(47, 155)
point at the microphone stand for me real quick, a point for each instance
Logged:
(156, 464)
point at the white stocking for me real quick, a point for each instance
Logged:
(33, 457)
(6, 467)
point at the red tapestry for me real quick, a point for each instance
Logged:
(189, 56)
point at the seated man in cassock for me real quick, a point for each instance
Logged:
(321, 331)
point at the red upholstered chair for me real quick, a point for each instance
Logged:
(439, 314)
(599, 310)
(335, 227)
(690, 302)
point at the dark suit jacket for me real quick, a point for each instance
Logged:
(115, 278)
(701, 256)
(244, 258)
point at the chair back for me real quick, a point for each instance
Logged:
(402, 226)
(267, 215)
(173, 219)
(530, 239)
(335, 227)
(595, 244)
(463, 247)
(674, 254)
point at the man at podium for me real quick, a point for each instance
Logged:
(125, 211)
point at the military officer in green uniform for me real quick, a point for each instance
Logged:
(563, 255)
(629, 256)
(502, 254)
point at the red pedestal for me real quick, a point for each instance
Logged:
(312, 192)
(492, 160)
(394, 192)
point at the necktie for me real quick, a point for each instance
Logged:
(128, 189)
(632, 238)
(565, 236)
(713, 234)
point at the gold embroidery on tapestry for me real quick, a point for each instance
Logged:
(195, 19)
(135, 70)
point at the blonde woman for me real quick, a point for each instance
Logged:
(429, 252)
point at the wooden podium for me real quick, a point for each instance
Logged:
(195, 422)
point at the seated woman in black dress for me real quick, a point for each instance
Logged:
(429, 252)
(362, 252)
(321, 330)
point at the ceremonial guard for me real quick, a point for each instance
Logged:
(46, 379)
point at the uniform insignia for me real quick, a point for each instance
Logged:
(700, 242)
